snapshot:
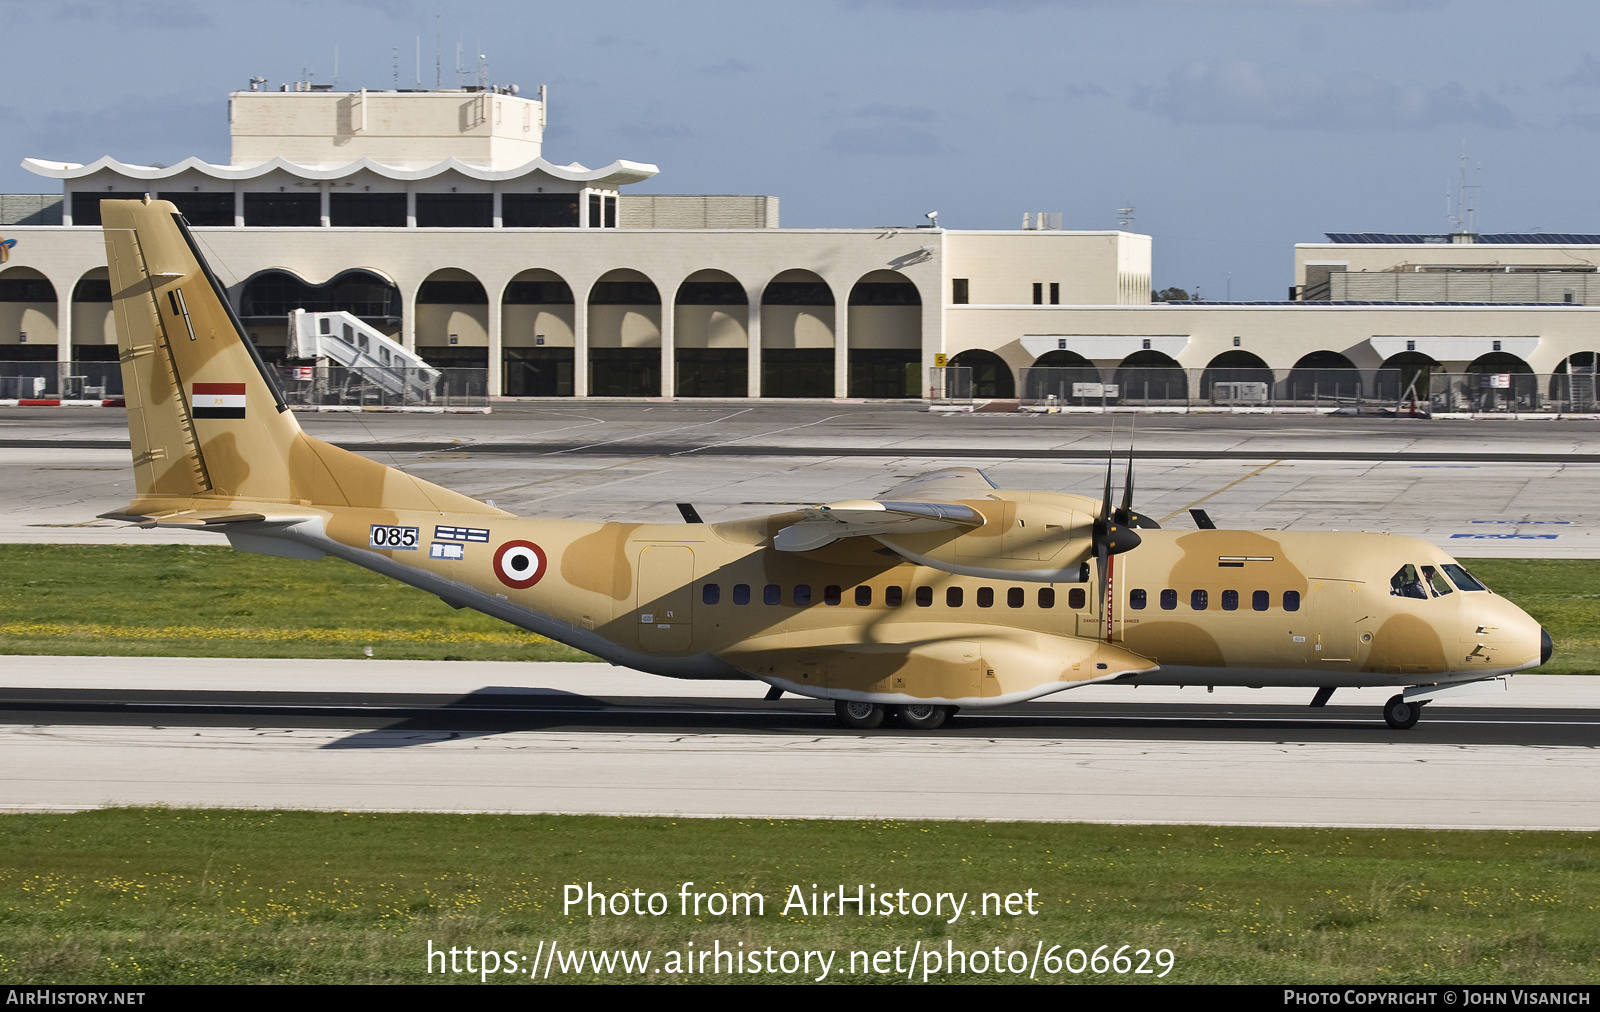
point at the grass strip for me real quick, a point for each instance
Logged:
(133, 896)
(210, 601)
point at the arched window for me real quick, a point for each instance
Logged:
(991, 377)
(1323, 378)
(1244, 378)
(1151, 377)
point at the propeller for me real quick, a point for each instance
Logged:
(1125, 514)
(1112, 534)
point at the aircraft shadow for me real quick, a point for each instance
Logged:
(398, 720)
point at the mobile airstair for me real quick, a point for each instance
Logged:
(371, 360)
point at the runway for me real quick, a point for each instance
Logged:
(382, 735)
(461, 736)
(1499, 488)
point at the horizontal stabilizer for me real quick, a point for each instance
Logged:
(823, 525)
(198, 518)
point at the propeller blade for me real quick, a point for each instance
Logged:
(1127, 485)
(1105, 503)
(1102, 555)
(1125, 514)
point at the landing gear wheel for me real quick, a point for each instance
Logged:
(1401, 714)
(854, 713)
(921, 716)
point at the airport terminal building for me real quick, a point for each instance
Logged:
(431, 216)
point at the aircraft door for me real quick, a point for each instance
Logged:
(666, 595)
(1334, 611)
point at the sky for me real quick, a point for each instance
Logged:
(1234, 128)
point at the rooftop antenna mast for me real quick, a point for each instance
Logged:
(396, 68)
(1125, 215)
(438, 60)
(1463, 216)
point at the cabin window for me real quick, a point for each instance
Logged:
(741, 593)
(1436, 580)
(1230, 600)
(1462, 578)
(892, 596)
(772, 594)
(863, 596)
(1169, 600)
(924, 597)
(1199, 600)
(831, 594)
(1260, 600)
(1047, 597)
(1291, 600)
(986, 597)
(1016, 597)
(802, 595)
(953, 597)
(1406, 583)
(1137, 599)
(1077, 598)
(711, 594)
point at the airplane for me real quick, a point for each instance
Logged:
(945, 592)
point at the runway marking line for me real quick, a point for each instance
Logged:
(1237, 481)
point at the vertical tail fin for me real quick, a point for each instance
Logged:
(186, 361)
(206, 420)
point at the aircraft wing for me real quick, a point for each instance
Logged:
(823, 525)
(949, 483)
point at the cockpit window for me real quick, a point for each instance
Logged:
(1462, 578)
(1436, 580)
(1406, 583)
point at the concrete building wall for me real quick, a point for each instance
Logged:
(396, 128)
(1092, 268)
(1356, 257)
(669, 210)
(1003, 264)
(710, 327)
(524, 325)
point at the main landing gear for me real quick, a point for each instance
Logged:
(915, 716)
(1402, 713)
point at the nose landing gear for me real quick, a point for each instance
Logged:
(1401, 713)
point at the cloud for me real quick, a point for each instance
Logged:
(1029, 5)
(728, 66)
(145, 14)
(1586, 76)
(1286, 98)
(909, 113)
(893, 138)
(1087, 90)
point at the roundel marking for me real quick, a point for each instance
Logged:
(519, 564)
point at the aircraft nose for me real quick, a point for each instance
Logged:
(1547, 646)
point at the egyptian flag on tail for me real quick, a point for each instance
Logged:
(218, 400)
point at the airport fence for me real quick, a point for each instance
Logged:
(1354, 391)
(303, 386)
(68, 381)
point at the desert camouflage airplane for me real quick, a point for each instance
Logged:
(943, 592)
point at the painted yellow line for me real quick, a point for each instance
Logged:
(1237, 481)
